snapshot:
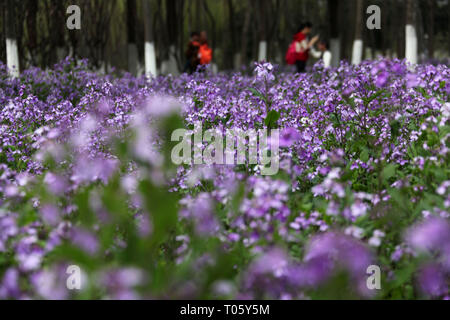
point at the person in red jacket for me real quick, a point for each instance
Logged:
(302, 45)
(205, 53)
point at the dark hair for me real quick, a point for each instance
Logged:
(326, 44)
(195, 34)
(305, 25)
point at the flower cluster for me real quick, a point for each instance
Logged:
(86, 179)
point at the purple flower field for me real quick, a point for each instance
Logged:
(87, 180)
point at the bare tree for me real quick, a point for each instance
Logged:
(150, 56)
(273, 23)
(232, 30)
(131, 36)
(261, 6)
(2, 31)
(31, 17)
(96, 29)
(74, 39)
(399, 29)
(357, 51)
(244, 40)
(411, 33)
(12, 51)
(431, 4)
(335, 41)
(199, 15)
(58, 32)
(212, 21)
(387, 25)
(347, 32)
(173, 9)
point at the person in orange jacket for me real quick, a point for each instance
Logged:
(205, 53)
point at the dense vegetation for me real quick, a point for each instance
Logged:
(86, 179)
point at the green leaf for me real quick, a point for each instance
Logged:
(364, 156)
(389, 171)
(272, 118)
(257, 93)
(162, 206)
(373, 97)
(395, 128)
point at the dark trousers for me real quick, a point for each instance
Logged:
(301, 66)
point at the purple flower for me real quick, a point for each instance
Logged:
(288, 137)
(56, 184)
(432, 234)
(120, 283)
(9, 286)
(433, 281)
(51, 284)
(264, 71)
(274, 263)
(339, 251)
(412, 80)
(160, 106)
(358, 209)
(382, 79)
(234, 237)
(29, 253)
(90, 170)
(85, 240)
(8, 229)
(50, 214)
(200, 210)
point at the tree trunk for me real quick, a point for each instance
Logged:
(57, 19)
(274, 18)
(171, 65)
(212, 38)
(32, 9)
(386, 48)
(448, 29)
(244, 41)
(399, 30)
(262, 30)
(149, 46)
(411, 33)
(199, 20)
(358, 42)
(335, 41)
(232, 48)
(131, 29)
(12, 51)
(430, 27)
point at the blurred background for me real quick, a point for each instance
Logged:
(113, 32)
